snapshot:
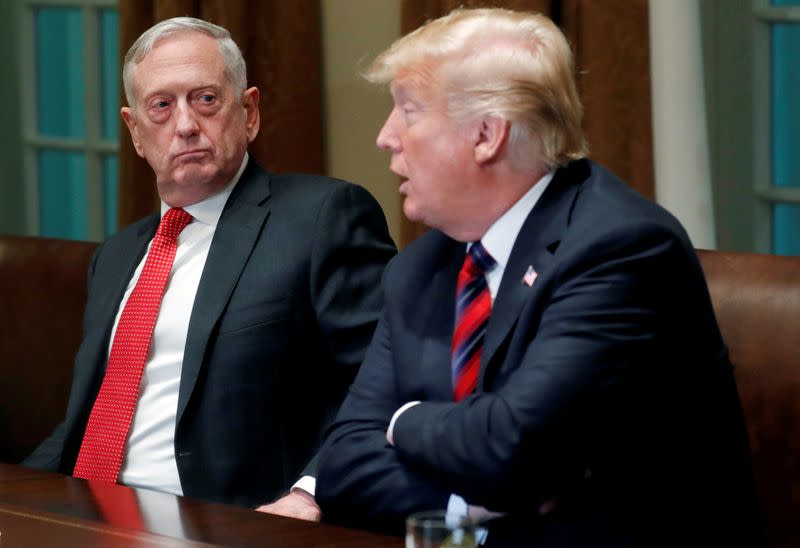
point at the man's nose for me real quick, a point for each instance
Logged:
(185, 121)
(387, 137)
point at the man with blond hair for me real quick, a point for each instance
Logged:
(548, 353)
(220, 335)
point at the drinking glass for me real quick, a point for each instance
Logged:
(437, 529)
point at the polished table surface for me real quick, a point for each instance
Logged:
(44, 509)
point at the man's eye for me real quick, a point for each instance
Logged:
(161, 104)
(207, 98)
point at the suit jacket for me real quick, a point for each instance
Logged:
(604, 386)
(285, 309)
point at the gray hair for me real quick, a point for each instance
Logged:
(235, 68)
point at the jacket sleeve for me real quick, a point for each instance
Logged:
(350, 251)
(47, 455)
(351, 247)
(363, 481)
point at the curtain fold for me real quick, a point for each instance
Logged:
(612, 57)
(612, 53)
(281, 42)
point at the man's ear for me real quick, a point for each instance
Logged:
(491, 136)
(130, 121)
(250, 99)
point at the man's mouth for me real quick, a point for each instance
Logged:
(190, 155)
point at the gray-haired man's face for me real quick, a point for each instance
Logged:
(187, 123)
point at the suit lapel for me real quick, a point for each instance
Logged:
(122, 269)
(237, 232)
(439, 317)
(534, 247)
(117, 272)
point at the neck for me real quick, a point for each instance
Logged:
(501, 192)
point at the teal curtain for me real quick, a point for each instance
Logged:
(785, 134)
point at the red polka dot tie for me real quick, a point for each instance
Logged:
(473, 306)
(103, 443)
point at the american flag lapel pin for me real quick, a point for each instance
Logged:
(529, 277)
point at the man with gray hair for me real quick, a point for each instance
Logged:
(220, 336)
(548, 352)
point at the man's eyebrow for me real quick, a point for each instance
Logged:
(214, 86)
(156, 93)
(171, 93)
(398, 91)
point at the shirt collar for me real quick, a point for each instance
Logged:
(500, 237)
(210, 210)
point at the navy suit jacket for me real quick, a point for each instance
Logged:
(286, 306)
(604, 386)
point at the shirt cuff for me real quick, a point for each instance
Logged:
(390, 430)
(307, 484)
(456, 506)
(458, 510)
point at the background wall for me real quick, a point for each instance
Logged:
(353, 31)
(12, 198)
(728, 61)
(354, 110)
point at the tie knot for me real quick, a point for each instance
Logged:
(173, 222)
(481, 258)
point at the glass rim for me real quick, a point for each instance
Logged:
(437, 519)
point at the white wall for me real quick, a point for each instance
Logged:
(680, 134)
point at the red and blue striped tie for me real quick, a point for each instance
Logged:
(473, 305)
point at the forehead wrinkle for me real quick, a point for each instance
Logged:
(419, 80)
(162, 61)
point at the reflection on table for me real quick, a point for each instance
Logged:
(44, 509)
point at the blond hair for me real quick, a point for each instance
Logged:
(497, 62)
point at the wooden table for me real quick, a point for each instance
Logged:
(44, 509)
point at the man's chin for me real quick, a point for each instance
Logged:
(411, 212)
(185, 191)
(414, 214)
(194, 174)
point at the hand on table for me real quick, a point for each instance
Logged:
(297, 504)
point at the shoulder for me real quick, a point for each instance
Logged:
(317, 211)
(606, 207)
(256, 183)
(415, 265)
(122, 242)
(306, 197)
(313, 188)
(610, 225)
(428, 249)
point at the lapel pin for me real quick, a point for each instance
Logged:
(529, 277)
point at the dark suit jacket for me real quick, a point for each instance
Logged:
(285, 309)
(605, 385)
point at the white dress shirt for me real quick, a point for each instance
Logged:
(149, 458)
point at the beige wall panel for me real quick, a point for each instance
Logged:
(354, 31)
